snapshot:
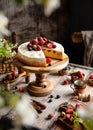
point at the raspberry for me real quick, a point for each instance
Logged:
(34, 41)
(39, 48)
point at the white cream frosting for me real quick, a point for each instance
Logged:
(24, 53)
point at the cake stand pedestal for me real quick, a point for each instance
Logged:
(42, 86)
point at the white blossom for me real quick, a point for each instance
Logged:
(49, 6)
(25, 111)
(4, 25)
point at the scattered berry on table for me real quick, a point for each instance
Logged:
(21, 89)
(65, 82)
(48, 60)
(57, 96)
(50, 100)
(50, 116)
(78, 105)
(51, 96)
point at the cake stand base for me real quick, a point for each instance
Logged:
(35, 90)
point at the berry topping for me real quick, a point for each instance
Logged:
(34, 47)
(50, 45)
(34, 41)
(30, 49)
(54, 46)
(39, 48)
(41, 41)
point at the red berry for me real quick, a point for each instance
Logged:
(50, 45)
(91, 76)
(41, 41)
(80, 74)
(66, 82)
(48, 60)
(50, 116)
(78, 105)
(21, 89)
(29, 45)
(10, 77)
(39, 48)
(69, 110)
(34, 41)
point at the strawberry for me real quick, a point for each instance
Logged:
(66, 82)
(80, 74)
(50, 45)
(41, 41)
(35, 41)
(39, 48)
(48, 60)
(69, 110)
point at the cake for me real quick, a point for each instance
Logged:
(36, 52)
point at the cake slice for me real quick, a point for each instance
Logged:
(54, 50)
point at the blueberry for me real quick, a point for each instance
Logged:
(51, 96)
(49, 64)
(54, 46)
(50, 100)
(30, 48)
(57, 96)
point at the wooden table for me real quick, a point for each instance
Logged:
(64, 91)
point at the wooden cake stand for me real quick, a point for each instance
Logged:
(41, 86)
